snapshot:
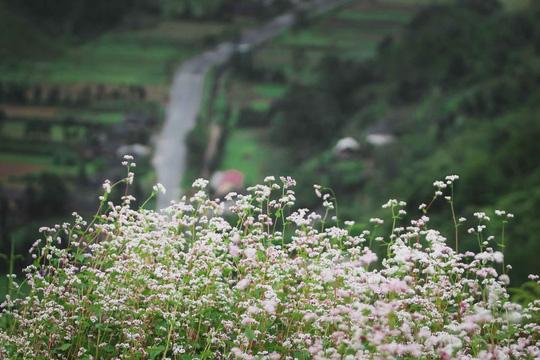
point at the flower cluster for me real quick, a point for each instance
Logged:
(254, 278)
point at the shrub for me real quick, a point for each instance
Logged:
(276, 283)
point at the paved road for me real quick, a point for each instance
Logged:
(186, 95)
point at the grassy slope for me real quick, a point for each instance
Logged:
(476, 115)
(121, 57)
(146, 57)
(350, 33)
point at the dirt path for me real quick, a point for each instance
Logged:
(186, 95)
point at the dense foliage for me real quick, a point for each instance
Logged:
(459, 91)
(80, 19)
(271, 282)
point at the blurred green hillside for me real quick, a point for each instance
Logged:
(457, 88)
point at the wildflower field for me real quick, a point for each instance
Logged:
(254, 277)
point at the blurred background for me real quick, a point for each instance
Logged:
(372, 98)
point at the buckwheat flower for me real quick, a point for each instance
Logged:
(200, 183)
(462, 219)
(243, 284)
(510, 215)
(317, 189)
(250, 253)
(128, 157)
(368, 257)
(438, 193)
(422, 206)
(234, 250)
(376, 221)
(253, 310)
(310, 316)
(159, 188)
(390, 203)
(439, 184)
(287, 181)
(513, 317)
(130, 177)
(480, 215)
(451, 178)
(269, 305)
(107, 186)
(402, 212)
(504, 279)
(471, 230)
(327, 275)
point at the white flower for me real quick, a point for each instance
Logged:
(200, 183)
(107, 186)
(317, 189)
(250, 253)
(439, 184)
(159, 188)
(243, 284)
(327, 275)
(234, 250)
(505, 279)
(269, 306)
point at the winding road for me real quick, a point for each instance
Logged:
(186, 94)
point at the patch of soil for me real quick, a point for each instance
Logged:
(9, 169)
(29, 111)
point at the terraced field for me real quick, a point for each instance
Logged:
(351, 32)
(68, 112)
(94, 85)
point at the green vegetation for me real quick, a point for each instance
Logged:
(248, 151)
(451, 106)
(270, 90)
(457, 88)
(375, 15)
(122, 58)
(278, 73)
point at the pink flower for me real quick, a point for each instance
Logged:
(243, 284)
(270, 306)
(250, 253)
(234, 250)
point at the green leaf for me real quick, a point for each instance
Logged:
(250, 334)
(64, 347)
(154, 352)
